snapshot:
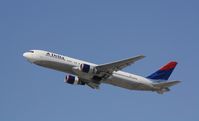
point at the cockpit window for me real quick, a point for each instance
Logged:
(31, 51)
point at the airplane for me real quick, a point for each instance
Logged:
(92, 75)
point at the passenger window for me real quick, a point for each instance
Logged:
(31, 51)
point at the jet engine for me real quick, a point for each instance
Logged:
(73, 80)
(88, 68)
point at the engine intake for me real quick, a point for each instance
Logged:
(73, 80)
(87, 68)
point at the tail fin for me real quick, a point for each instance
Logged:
(163, 73)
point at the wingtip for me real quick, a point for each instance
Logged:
(142, 56)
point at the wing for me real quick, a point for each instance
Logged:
(108, 69)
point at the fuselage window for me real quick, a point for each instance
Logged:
(31, 51)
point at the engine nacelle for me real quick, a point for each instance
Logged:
(88, 68)
(73, 80)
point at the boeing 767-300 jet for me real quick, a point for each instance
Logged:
(86, 73)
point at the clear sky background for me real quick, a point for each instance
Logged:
(98, 31)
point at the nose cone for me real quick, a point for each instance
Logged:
(28, 56)
(25, 55)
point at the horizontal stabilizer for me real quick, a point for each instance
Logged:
(166, 84)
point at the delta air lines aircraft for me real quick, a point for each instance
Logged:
(86, 73)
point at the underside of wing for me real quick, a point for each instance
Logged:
(91, 83)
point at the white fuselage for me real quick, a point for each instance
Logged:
(66, 64)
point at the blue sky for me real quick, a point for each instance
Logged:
(100, 32)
